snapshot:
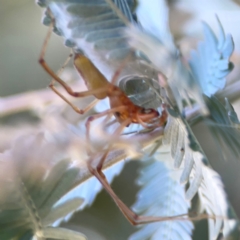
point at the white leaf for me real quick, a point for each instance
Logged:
(214, 201)
(202, 179)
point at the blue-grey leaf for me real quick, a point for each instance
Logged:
(228, 47)
(210, 63)
(157, 185)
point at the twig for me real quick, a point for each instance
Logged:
(143, 139)
(30, 100)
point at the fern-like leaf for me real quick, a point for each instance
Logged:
(210, 63)
(161, 194)
(30, 186)
(93, 28)
(214, 202)
(196, 171)
(176, 138)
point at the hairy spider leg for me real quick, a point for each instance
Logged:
(65, 85)
(131, 216)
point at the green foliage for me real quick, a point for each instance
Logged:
(29, 192)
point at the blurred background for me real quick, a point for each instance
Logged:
(21, 37)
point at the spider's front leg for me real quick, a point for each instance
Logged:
(55, 77)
